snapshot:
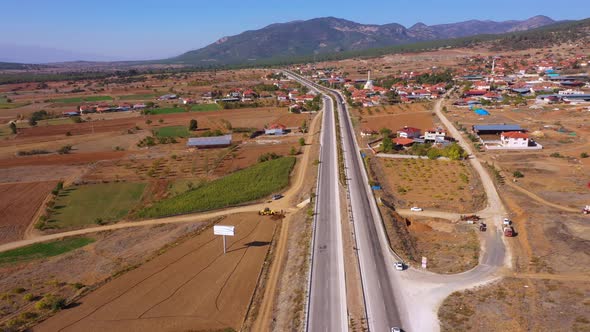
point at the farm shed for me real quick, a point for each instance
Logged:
(209, 142)
(495, 128)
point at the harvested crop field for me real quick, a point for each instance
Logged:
(192, 286)
(18, 204)
(61, 159)
(420, 120)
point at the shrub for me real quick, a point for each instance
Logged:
(517, 174)
(583, 155)
(68, 133)
(18, 290)
(65, 149)
(293, 151)
(76, 119)
(556, 155)
(51, 302)
(28, 297)
(302, 141)
(13, 128)
(192, 126)
(148, 121)
(268, 156)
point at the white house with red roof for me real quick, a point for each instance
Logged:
(408, 132)
(275, 129)
(514, 139)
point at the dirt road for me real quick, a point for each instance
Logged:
(193, 286)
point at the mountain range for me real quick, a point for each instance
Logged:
(331, 35)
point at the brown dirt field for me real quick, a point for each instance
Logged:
(40, 173)
(18, 204)
(450, 248)
(64, 159)
(446, 185)
(422, 120)
(190, 287)
(89, 266)
(519, 305)
(247, 155)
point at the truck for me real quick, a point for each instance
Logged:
(266, 212)
(508, 231)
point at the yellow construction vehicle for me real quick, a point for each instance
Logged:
(266, 212)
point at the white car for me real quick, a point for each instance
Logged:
(399, 266)
(416, 209)
(507, 222)
(396, 329)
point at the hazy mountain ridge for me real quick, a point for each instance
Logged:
(330, 34)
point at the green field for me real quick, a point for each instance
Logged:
(83, 205)
(7, 106)
(180, 186)
(242, 186)
(156, 111)
(43, 250)
(138, 97)
(82, 99)
(205, 107)
(172, 131)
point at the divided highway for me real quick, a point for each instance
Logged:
(327, 309)
(376, 268)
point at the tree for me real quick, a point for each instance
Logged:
(455, 152)
(386, 145)
(65, 149)
(302, 141)
(304, 126)
(13, 128)
(192, 126)
(293, 151)
(584, 155)
(393, 97)
(518, 174)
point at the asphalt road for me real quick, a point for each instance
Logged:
(376, 269)
(327, 309)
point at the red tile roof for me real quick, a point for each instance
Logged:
(403, 141)
(515, 134)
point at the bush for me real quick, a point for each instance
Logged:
(583, 155)
(52, 302)
(76, 119)
(293, 151)
(556, 155)
(68, 133)
(32, 152)
(302, 141)
(192, 126)
(268, 156)
(517, 174)
(28, 297)
(65, 149)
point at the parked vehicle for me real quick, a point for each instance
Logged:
(396, 329)
(507, 222)
(399, 266)
(586, 209)
(508, 231)
(277, 197)
(416, 209)
(483, 227)
(473, 217)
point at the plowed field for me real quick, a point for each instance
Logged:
(18, 204)
(191, 287)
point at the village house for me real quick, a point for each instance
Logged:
(275, 129)
(368, 132)
(514, 139)
(408, 132)
(435, 135)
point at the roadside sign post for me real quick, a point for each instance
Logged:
(223, 231)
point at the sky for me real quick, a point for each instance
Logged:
(155, 29)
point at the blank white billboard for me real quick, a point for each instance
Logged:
(223, 230)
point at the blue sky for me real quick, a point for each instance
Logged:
(147, 29)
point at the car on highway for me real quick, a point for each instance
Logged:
(399, 266)
(396, 329)
(277, 197)
(416, 209)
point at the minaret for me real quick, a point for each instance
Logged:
(369, 84)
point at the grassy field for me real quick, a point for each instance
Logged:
(242, 186)
(156, 111)
(205, 107)
(137, 97)
(83, 205)
(180, 186)
(7, 106)
(172, 131)
(43, 250)
(82, 99)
